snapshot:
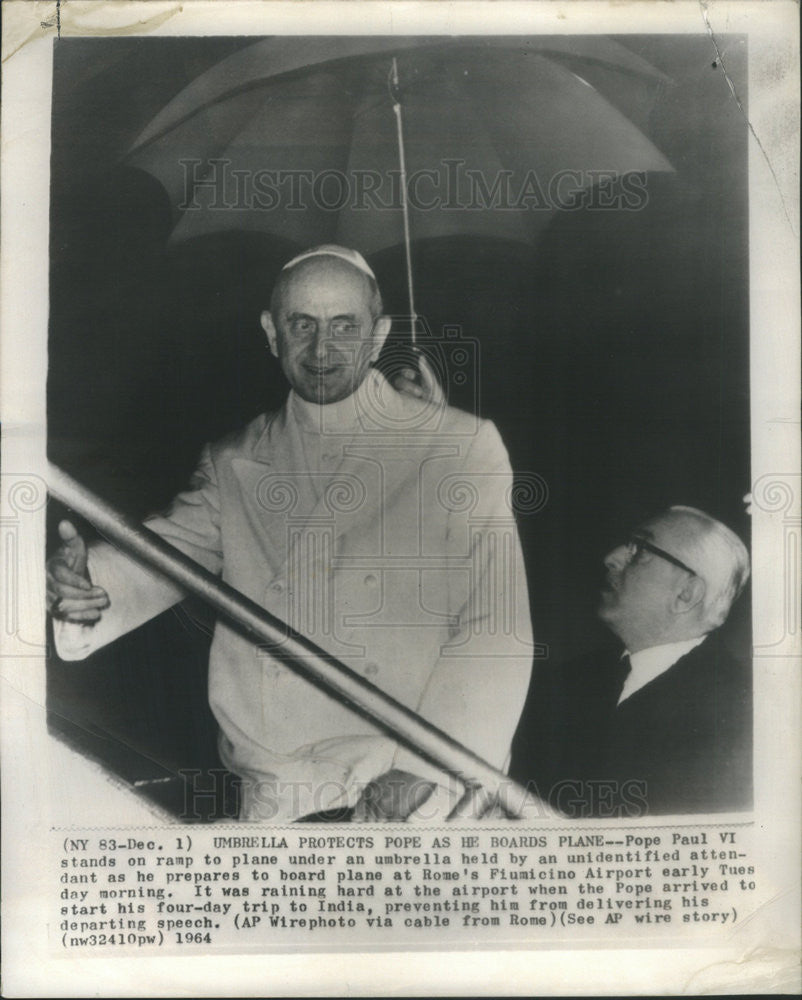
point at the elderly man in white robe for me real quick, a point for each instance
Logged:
(377, 524)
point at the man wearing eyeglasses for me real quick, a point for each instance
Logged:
(663, 726)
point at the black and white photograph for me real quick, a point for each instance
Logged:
(565, 286)
(400, 497)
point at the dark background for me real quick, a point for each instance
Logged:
(613, 357)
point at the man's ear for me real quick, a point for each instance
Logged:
(270, 329)
(691, 596)
(381, 328)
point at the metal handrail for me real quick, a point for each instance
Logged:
(483, 783)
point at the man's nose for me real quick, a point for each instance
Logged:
(320, 343)
(616, 558)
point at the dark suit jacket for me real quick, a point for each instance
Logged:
(681, 744)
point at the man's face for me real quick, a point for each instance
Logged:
(324, 334)
(638, 596)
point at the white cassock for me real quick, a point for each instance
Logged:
(379, 527)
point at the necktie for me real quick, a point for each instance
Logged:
(624, 670)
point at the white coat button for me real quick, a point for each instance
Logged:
(370, 580)
(277, 587)
(371, 670)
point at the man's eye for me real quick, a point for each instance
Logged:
(302, 325)
(344, 328)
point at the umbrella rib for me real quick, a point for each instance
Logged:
(198, 109)
(239, 89)
(366, 108)
(244, 88)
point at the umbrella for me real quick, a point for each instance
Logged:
(374, 142)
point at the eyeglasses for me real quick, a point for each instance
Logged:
(637, 545)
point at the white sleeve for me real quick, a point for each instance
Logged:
(136, 593)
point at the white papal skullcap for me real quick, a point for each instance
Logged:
(332, 250)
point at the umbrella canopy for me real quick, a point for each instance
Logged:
(296, 137)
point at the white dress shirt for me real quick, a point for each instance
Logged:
(648, 664)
